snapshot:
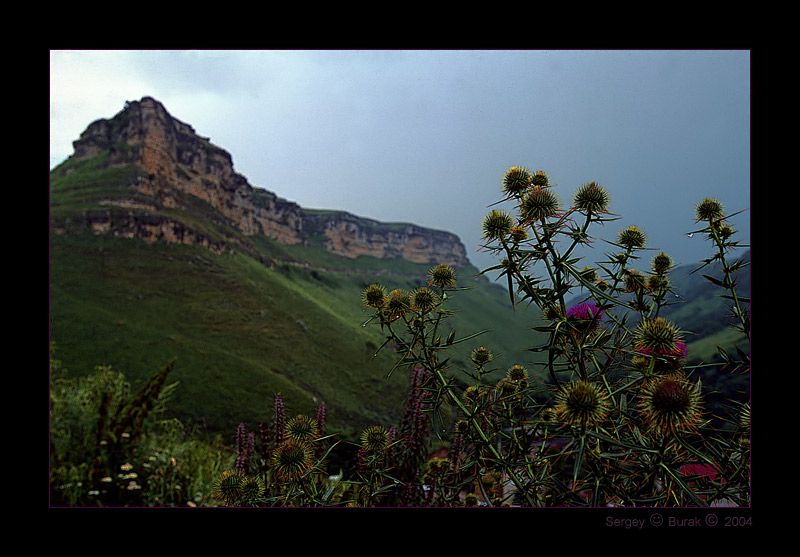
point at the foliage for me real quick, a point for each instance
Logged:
(111, 447)
(620, 420)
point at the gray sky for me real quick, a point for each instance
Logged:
(425, 136)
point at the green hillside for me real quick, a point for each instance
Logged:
(242, 331)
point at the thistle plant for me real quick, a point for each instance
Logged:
(614, 416)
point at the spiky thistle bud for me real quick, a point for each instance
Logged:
(591, 198)
(632, 237)
(540, 179)
(374, 296)
(292, 459)
(228, 486)
(661, 263)
(671, 404)
(397, 304)
(480, 356)
(539, 203)
(581, 403)
(657, 336)
(709, 209)
(301, 428)
(497, 224)
(442, 276)
(424, 300)
(516, 180)
(374, 439)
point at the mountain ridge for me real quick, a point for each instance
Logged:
(168, 161)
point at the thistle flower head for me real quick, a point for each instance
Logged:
(518, 234)
(661, 263)
(581, 403)
(397, 303)
(497, 224)
(632, 237)
(671, 404)
(374, 438)
(538, 203)
(517, 373)
(442, 276)
(292, 459)
(657, 336)
(709, 209)
(374, 296)
(229, 486)
(424, 300)
(301, 428)
(516, 179)
(540, 179)
(481, 356)
(591, 198)
(585, 317)
(253, 488)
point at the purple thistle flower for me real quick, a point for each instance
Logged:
(585, 311)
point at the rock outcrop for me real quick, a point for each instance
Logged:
(175, 162)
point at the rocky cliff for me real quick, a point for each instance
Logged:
(175, 164)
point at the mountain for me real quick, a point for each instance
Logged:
(163, 171)
(159, 249)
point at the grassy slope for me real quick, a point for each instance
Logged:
(240, 330)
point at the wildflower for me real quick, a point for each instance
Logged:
(442, 276)
(661, 263)
(424, 300)
(228, 486)
(709, 209)
(516, 179)
(585, 318)
(481, 356)
(538, 204)
(517, 373)
(374, 296)
(292, 459)
(632, 237)
(397, 303)
(518, 234)
(671, 404)
(252, 488)
(374, 438)
(125, 467)
(657, 336)
(581, 403)
(591, 198)
(540, 180)
(497, 225)
(301, 428)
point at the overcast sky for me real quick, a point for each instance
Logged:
(425, 136)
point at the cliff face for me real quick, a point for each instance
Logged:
(176, 162)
